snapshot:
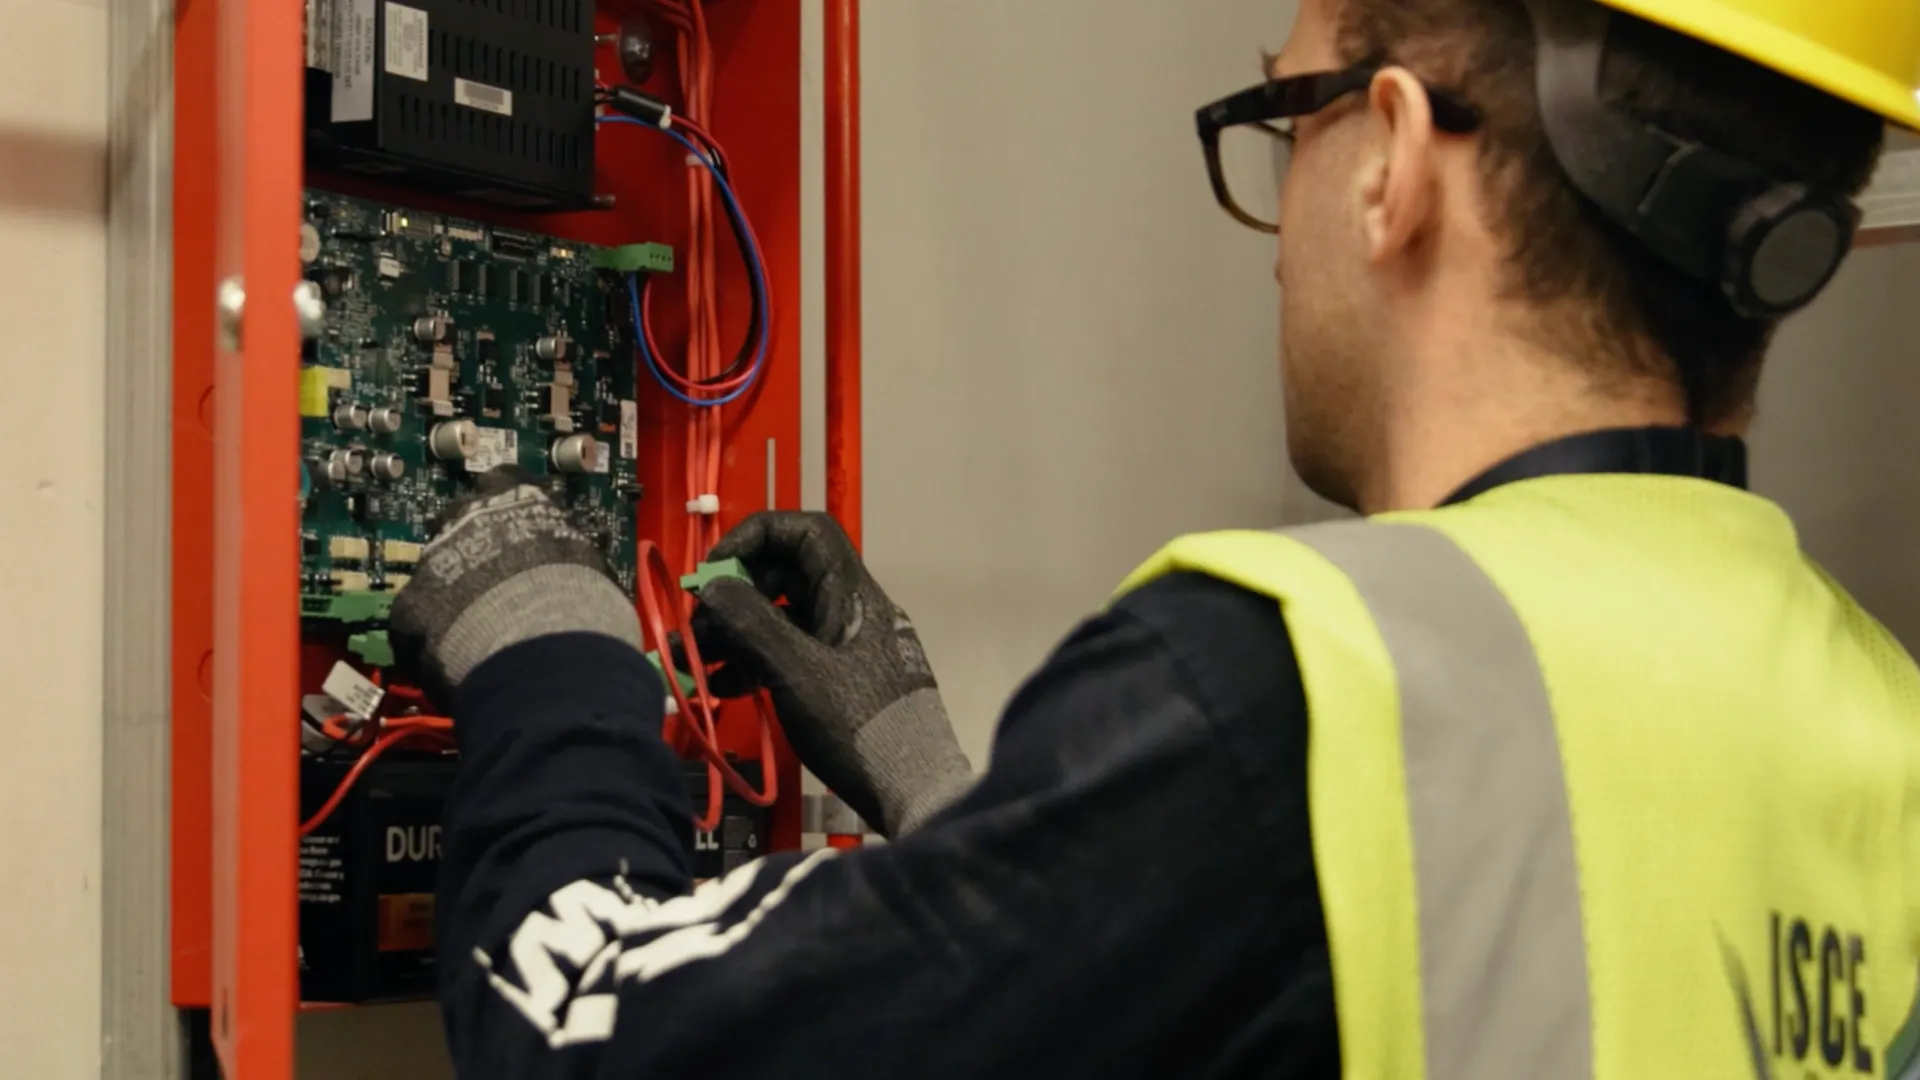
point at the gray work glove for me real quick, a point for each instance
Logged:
(849, 679)
(507, 567)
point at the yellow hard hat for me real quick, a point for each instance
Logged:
(1863, 51)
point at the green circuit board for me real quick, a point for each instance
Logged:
(450, 348)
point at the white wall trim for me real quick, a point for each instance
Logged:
(139, 1027)
(1892, 205)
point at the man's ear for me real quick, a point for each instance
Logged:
(1400, 191)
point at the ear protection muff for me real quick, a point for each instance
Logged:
(1769, 245)
(1784, 247)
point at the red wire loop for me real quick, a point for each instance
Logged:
(697, 713)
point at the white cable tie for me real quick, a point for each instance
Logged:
(704, 504)
(666, 118)
(673, 707)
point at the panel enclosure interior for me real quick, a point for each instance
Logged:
(237, 663)
(489, 100)
(449, 348)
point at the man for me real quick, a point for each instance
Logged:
(1585, 773)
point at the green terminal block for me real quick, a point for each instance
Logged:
(347, 607)
(703, 574)
(708, 572)
(686, 681)
(635, 259)
(373, 647)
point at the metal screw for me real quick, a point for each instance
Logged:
(636, 46)
(311, 307)
(230, 312)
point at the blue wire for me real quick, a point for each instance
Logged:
(756, 272)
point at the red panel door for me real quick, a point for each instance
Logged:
(258, 74)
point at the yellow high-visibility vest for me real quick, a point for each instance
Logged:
(1607, 780)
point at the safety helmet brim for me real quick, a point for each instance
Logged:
(1866, 51)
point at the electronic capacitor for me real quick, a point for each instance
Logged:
(350, 417)
(575, 454)
(343, 464)
(387, 466)
(455, 440)
(430, 329)
(385, 420)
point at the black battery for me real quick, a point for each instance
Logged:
(368, 873)
(367, 876)
(741, 835)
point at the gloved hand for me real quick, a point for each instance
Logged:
(848, 676)
(507, 567)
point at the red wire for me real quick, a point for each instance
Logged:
(333, 729)
(706, 139)
(694, 726)
(705, 432)
(400, 730)
(689, 386)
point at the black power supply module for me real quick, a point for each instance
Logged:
(491, 101)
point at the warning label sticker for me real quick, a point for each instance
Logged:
(406, 42)
(352, 61)
(354, 691)
(320, 35)
(322, 872)
(475, 95)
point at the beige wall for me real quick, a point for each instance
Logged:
(1071, 353)
(53, 120)
(1838, 441)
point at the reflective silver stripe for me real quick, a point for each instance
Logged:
(1503, 967)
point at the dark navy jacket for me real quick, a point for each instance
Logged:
(1129, 891)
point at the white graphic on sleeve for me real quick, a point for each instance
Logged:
(570, 959)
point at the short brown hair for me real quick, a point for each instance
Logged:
(1592, 282)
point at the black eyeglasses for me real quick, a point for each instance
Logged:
(1248, 137)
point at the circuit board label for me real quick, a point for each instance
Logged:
(493, 448)
(629, 429)
(406, 41)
